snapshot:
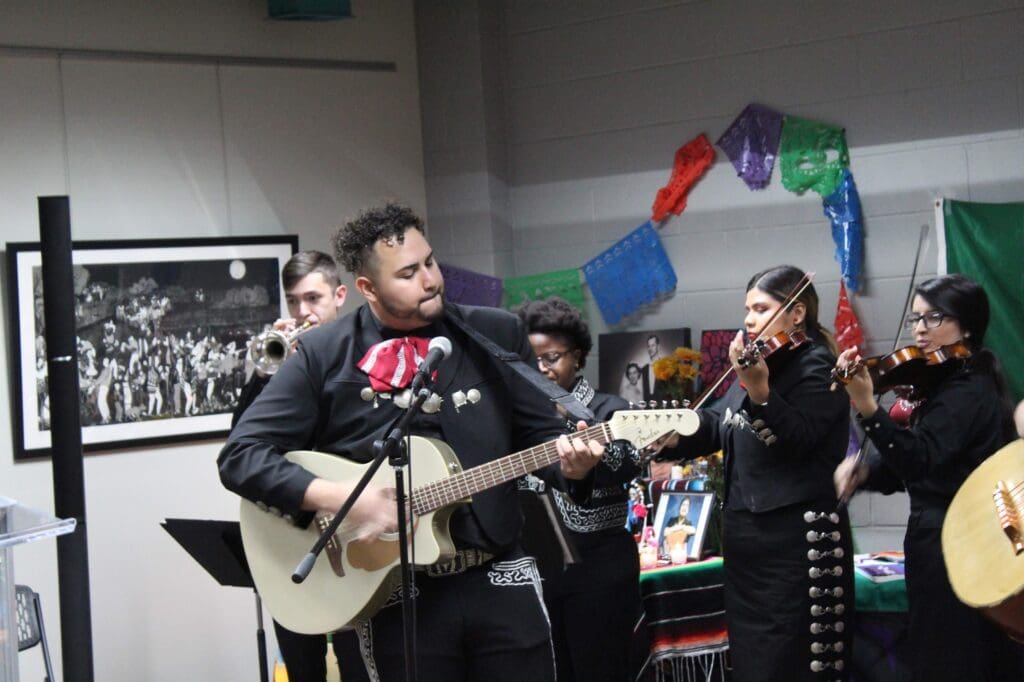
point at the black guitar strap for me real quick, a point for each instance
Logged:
(576, 410)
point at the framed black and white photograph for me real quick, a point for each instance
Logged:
(681, 522)
(627, 362)
(162, 328)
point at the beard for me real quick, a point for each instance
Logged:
(421, 314)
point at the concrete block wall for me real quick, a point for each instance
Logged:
(597, 97)
(464, 142)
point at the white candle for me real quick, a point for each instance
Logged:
(678, 554)
(648, 557)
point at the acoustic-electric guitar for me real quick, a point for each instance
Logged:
(355, 578)
(983, 539)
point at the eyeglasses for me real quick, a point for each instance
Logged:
(551, 358)
(931, 320)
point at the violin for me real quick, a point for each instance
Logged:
(764, 348)
(908, 370)
(782, 341)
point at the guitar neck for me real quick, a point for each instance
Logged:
(438, 494)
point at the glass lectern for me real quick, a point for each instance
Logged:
(18, 524)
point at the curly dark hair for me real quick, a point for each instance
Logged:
(556, 317)
(354, 241)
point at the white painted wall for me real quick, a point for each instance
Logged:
(596, 97)
(160, 149)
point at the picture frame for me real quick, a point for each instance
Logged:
(695, 508)
(162, 330)
(625, 359)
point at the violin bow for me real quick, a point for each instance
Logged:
(787, 303)
(922, 242)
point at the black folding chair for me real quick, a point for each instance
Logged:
(30, 624)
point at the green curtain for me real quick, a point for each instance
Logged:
(563, 283)
(985, 242)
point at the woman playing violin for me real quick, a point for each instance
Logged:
(783, 433)
(965, 417)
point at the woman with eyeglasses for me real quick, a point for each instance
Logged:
(594, 603)
(965, 416)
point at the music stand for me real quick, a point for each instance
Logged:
(217, 547)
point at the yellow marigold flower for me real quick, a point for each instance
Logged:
(687, 371)
(684, 354)
(665, 368)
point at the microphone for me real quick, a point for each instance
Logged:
(438, 349)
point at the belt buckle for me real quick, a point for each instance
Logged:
(463, 560)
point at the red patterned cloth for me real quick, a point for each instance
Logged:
(848, 331)
(392, 364)
(714, 359)
(692, 159)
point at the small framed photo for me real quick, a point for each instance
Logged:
(681, 522)
(162, 328)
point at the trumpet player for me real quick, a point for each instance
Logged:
(314, 294)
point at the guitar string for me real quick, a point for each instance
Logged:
(437, 494)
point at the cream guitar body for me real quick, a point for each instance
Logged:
(983, 539)
(351, 580)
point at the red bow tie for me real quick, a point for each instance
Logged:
(392, 364)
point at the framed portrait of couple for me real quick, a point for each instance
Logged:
(681, 522)
(627, 362)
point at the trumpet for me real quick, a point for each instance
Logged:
(271, 348)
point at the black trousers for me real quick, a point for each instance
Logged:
(768, 600)
(594, 606)
(947, 639)
(305, 655)
(487, 623)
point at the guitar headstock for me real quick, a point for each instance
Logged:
(643, 427)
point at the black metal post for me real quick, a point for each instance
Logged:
(66, 437)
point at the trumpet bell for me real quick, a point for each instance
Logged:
(270, 349)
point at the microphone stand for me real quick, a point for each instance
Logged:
(393, 447)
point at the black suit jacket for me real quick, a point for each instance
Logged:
(314, 402)
(810, 424)
(652, 388)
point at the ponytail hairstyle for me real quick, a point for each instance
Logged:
(779, 282)
(961, 297)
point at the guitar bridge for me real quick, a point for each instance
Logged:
(1009, 516)
(333, 548)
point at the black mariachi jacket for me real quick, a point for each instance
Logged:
(810, 425)
(951, 433)
(313, 402)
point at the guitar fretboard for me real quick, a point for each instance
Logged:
(438, 494)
